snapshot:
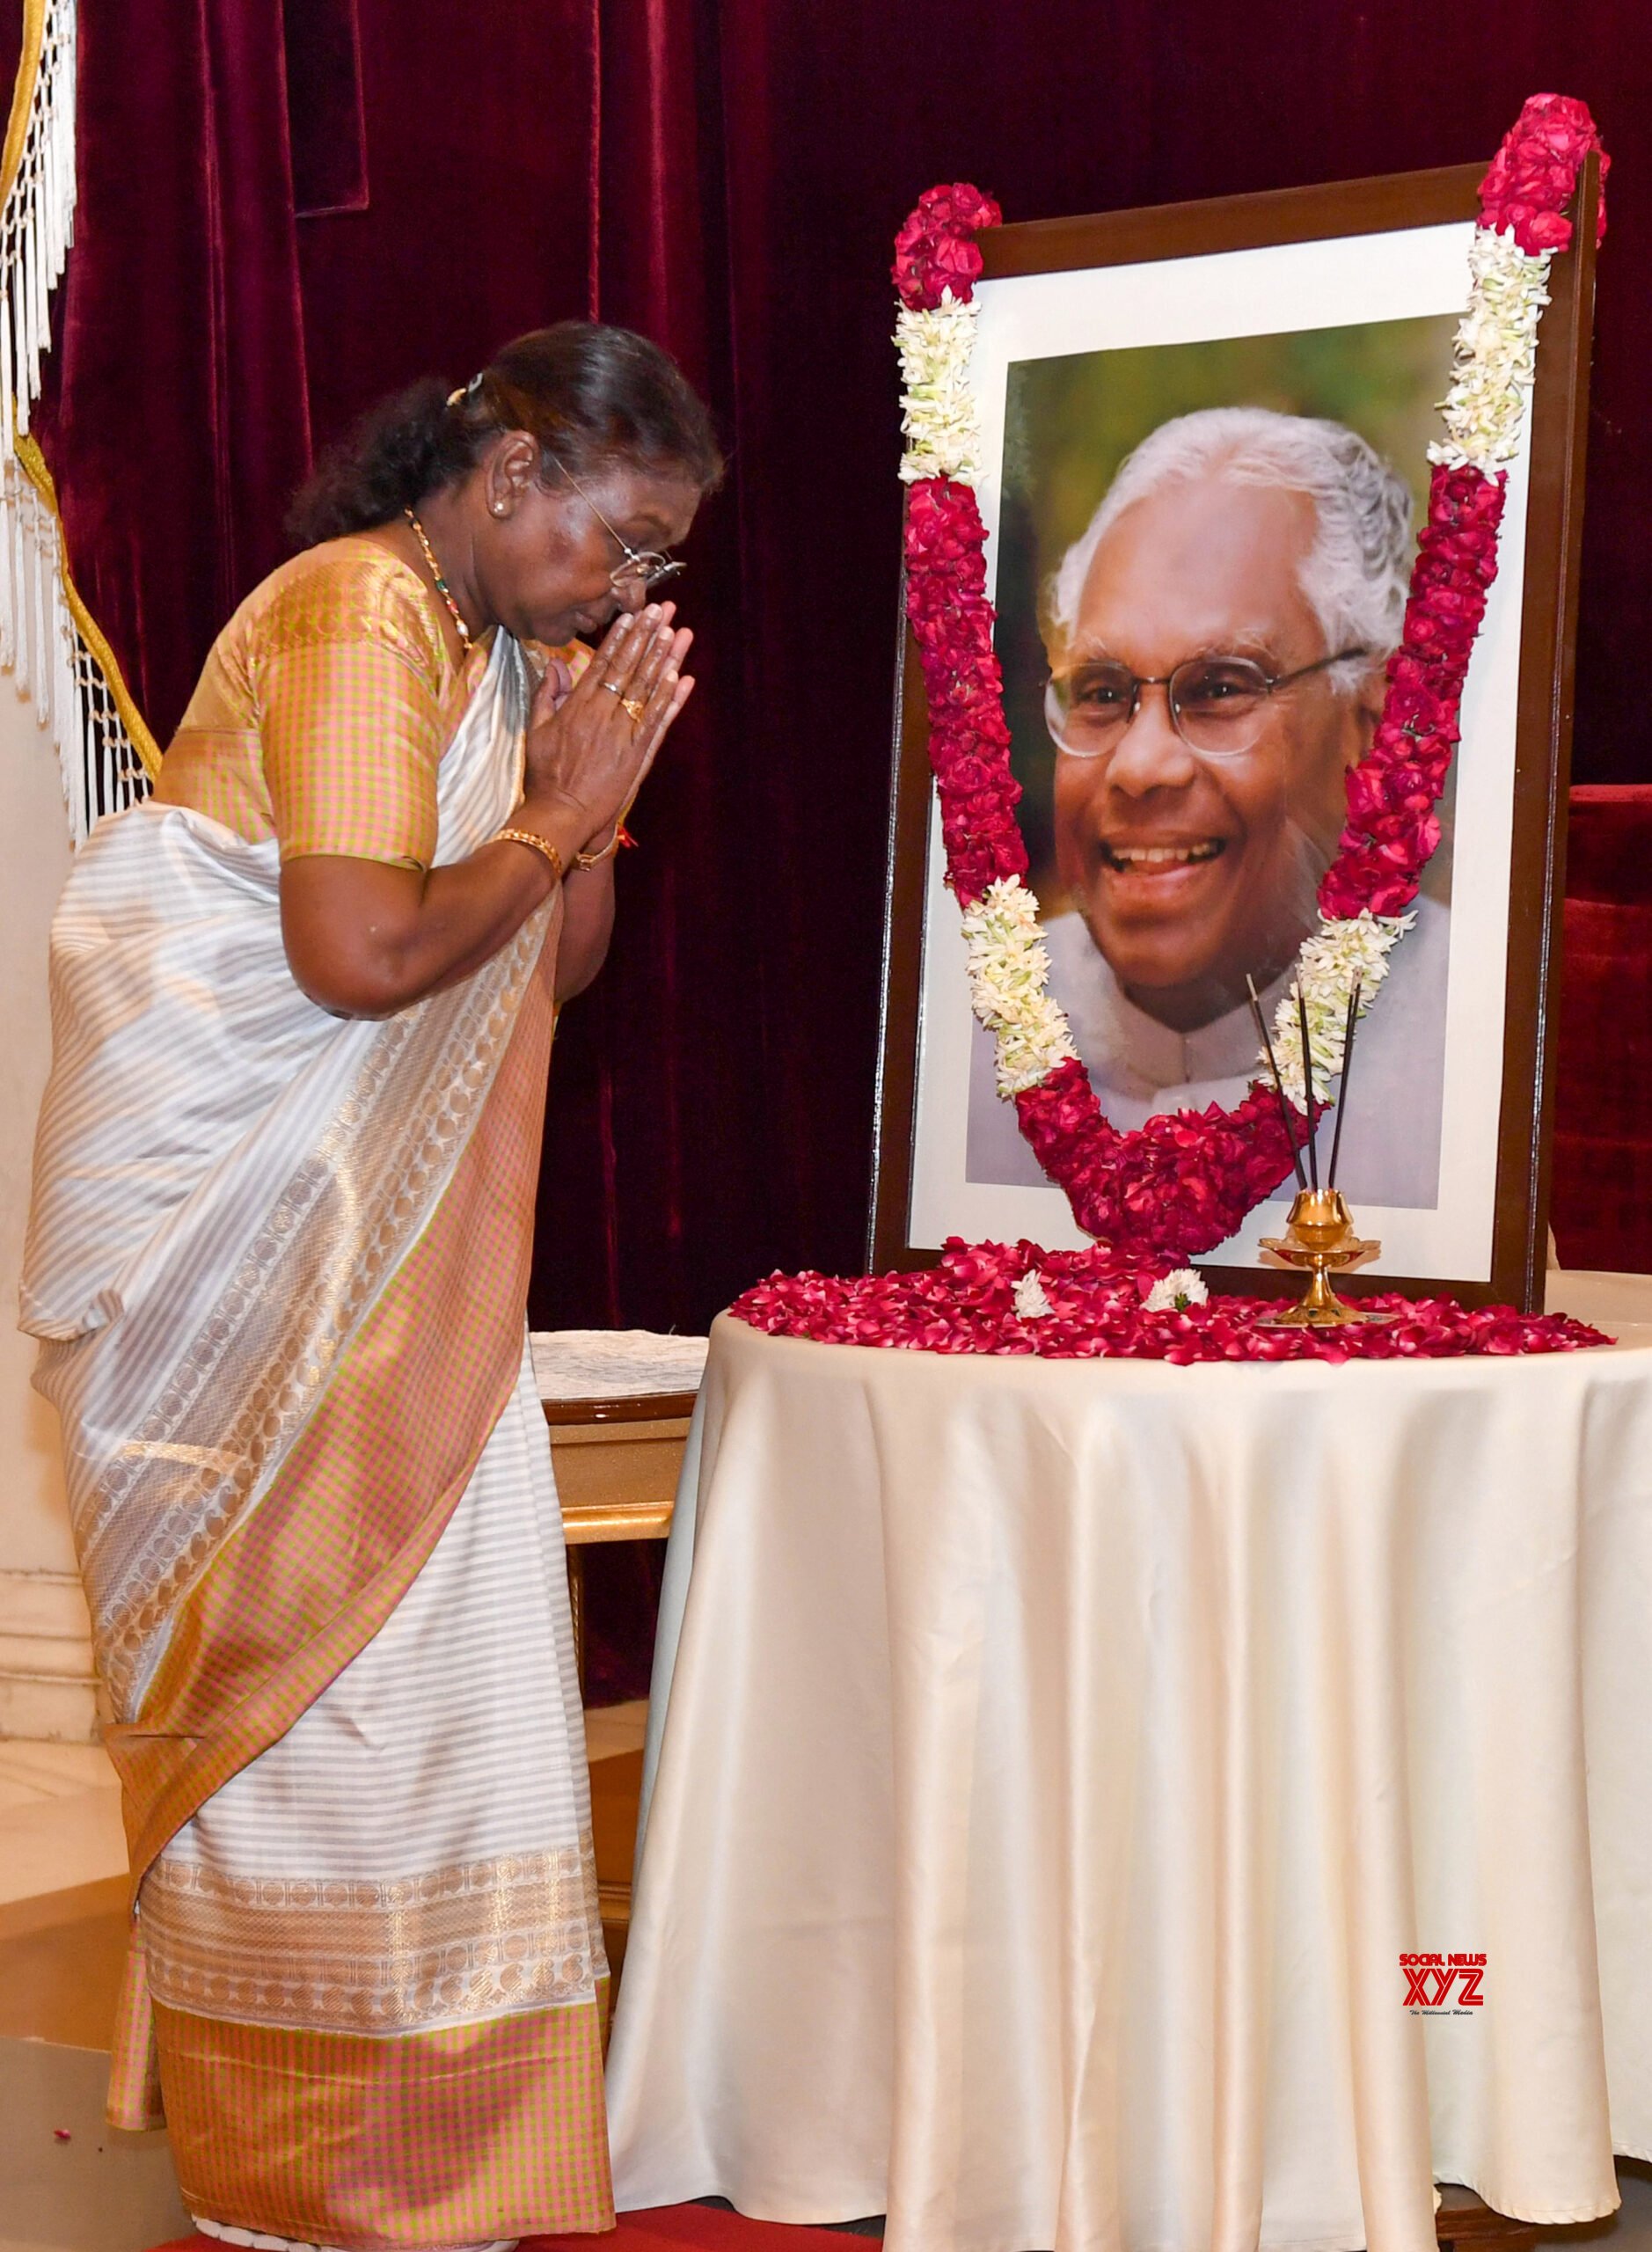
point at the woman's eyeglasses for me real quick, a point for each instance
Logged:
(638, 572)
(1217, 705)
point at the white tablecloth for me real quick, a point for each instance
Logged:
(1052, 1760)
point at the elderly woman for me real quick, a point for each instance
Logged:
(303, 1005)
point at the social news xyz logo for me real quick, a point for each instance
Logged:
(1442, 1986)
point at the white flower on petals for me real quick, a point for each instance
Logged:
(1175, 1292)
(938, 409)
(1009, 972)
(1495, 362)
(1032, 1301)
(1337, 955)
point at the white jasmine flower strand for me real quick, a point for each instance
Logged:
(1009, 973)
(1495, 362)
(1031, 1301)
(939, 414)
(1338, 956)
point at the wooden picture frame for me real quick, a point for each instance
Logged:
(1514, 1269)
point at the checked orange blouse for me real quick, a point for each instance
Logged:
(324, 707)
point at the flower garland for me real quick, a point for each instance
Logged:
(1182, 1183)
(999, 1298)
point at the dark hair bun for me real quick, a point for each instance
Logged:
(594, 396)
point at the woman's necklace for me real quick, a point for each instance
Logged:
(443, 588)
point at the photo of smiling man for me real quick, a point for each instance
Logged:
(1214, 642)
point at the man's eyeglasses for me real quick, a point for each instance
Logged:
(638, 572)
(1217, 705)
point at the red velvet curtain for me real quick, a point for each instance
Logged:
(479, 125)
(726, 174)
(1602, 1203)
(176, 415)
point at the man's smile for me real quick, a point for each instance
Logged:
(1127, 857)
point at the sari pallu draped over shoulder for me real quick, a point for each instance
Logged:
(279, 1264)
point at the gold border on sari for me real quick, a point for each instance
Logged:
(436, 2139)
(360, 1955)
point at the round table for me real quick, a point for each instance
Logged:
(1051, 1763)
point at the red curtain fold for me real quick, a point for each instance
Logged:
(682, 1084)
(11, 45)
(205, 330)
(326, 114)
(1603, 1142)
(176, 416)
(728, 174)
(477, 222)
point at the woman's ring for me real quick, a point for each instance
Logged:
(612, 686)
(633, 705)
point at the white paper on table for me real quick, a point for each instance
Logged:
(615, 1364)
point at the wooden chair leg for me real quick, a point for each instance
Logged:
(576, 1610)
(1515, 2240)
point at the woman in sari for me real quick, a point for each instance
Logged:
(303, 1005)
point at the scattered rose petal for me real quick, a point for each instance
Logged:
(980, 1298)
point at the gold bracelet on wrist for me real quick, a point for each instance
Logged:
(541, 845)
(621, 835)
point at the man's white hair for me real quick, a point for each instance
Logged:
(1355, 576)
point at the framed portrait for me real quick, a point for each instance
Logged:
(1204, 461)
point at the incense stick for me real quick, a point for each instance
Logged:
(1347, 1058)
(1286, 1120)
(1307, 1091)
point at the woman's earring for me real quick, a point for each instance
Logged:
(498, 508)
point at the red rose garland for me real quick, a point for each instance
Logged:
(1392, 829)
(1182, 1183)
(1533, 175)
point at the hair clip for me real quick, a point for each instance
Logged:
(467, 391)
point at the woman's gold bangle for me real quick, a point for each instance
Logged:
(541, 845)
